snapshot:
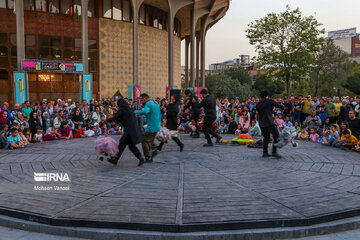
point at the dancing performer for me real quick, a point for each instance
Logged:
(209, 105)
(172, 111)
(153, 120)
(132, 133)
(193, 102)
(265, 110)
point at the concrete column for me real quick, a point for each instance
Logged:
(192, 49)
(20, 37)
(187, 43)
(197, 78)
(84, 36)
(171, 48)
(202, 73)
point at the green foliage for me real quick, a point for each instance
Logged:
(239, 74)
(287, 44)
(274, 87)
(223, 86)
(353, 83)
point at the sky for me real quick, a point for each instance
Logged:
(227, 39)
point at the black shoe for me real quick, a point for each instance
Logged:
(276, 155)
(141, 161)
(218, 139)
(181, 147)
(159, 148)
(148, 160)
(113, 160)
(153, 154)
(265, 155)
(208, 145)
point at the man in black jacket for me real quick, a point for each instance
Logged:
(209, 105)
(193, 102)
(265, 110)
(132, 133)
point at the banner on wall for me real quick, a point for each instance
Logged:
(87, 87)
(137, 92)
(168, 91)
(130, 92)
(20, 88)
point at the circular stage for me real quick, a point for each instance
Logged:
(226, 187)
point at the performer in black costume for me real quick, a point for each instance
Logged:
(193, 102)
(172, 111)
(265, 110)
(209, 105)
(132, 133)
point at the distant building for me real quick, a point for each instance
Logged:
(348, 40)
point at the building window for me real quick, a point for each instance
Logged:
(65, 6)
(107, 8)
(77, 7)
(2, 3)
(126, 10)
(91, 8)
(142, 14)
(117, 12)
(54, 6)
(10, 4)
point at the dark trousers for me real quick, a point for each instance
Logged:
(126, 141)
(148, 144)
(177, 140)
(208, 122)
(266, 131)
(195, 117)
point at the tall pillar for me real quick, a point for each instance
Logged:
(187, 43)
(197, 78)
(171, 49)
(84, 36)
(20, 37)
(192, 49)
(202, 56)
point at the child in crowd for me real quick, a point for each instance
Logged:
(14, 140)
(64, 132)
(343, 127)
(115, 130)
(254, 129)
(81, 132)
(332, 135)
(347, 141)
(314, 137)
(4, 135)
(297, 127)
(27, 134)
(90, 132)
(238, 130)
(38, 136)
(244, 122)
(222, 128)
(103, 129)
(287, 122)
(304, 135)
(232, 125)
(279, 121)
(50, 134)
(22, 136)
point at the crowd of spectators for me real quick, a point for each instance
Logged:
(332, 121)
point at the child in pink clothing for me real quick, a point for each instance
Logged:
(314, 137)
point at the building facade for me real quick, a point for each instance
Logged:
(101, 34)
(348, 40)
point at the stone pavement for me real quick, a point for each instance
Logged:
(224, 187)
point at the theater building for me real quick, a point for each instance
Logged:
(55, 42)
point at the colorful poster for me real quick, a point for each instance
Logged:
(130, 92)
(52, 66)
(87, 87)
(137, 92)
(168, 92)
(199, 90)
(20, 87)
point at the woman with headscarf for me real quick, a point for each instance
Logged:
(172, 111)
(41, 120)
(77, 119)
(4, 119)
(132, 133)
(19, 119)
(33, 122)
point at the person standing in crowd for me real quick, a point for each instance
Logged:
(266, 121)
(308, 105)
(153, 120)
(132, 133)
(193, 102)
(338, 106)
(330, 109)
(27, 110)
(209, 105)
(354, 124)
(344, 111)
(172, 111)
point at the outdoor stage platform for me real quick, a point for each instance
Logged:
(226, 187)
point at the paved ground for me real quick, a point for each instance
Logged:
(201, 185)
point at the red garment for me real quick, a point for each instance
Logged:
(79, 133)
(49, 137)
(3, 120)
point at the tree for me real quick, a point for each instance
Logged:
(353, 83)
(331, 64)
(286, 43)
(264, 82)
(223, 86)
(239, 74)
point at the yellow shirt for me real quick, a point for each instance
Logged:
(307, 106)
(337, 109)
